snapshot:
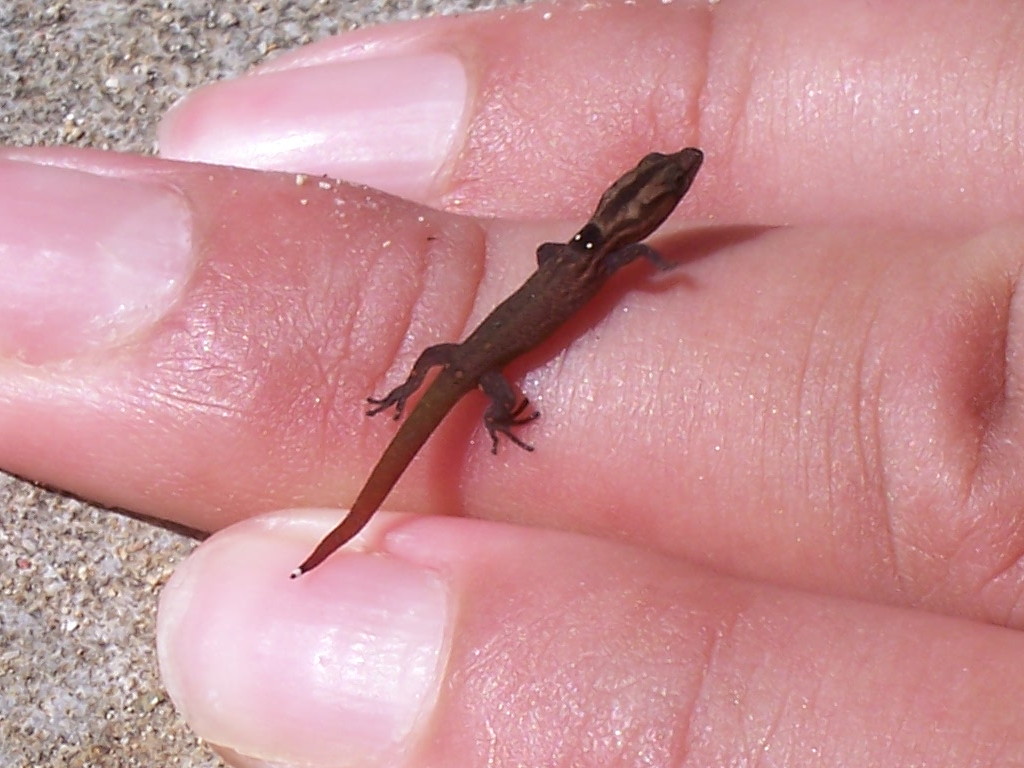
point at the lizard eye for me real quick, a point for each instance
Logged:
(588, 238)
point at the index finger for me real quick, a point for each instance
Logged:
(849, 111)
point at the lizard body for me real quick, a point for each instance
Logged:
(568, 275)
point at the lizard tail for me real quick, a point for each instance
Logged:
(341, 534)
(441, 395)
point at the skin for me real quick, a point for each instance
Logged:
(568, 275)
(875, 305)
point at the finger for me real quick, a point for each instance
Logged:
(831, 409)
(180, 336)
(856, 111)
(804, 392)
(445, 641)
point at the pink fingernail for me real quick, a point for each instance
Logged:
(347, 660)
(88, 260)
(390, 122)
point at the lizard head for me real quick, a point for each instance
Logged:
(637, 204)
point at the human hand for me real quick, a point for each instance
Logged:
(828, 408)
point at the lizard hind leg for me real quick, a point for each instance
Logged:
(439, 354)
(504, 412)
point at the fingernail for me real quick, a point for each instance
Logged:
(87, 260)
(345, 661)
(390, 122)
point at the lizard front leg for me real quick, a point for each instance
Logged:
(617, 259)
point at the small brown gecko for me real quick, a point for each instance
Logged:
(567, 276)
